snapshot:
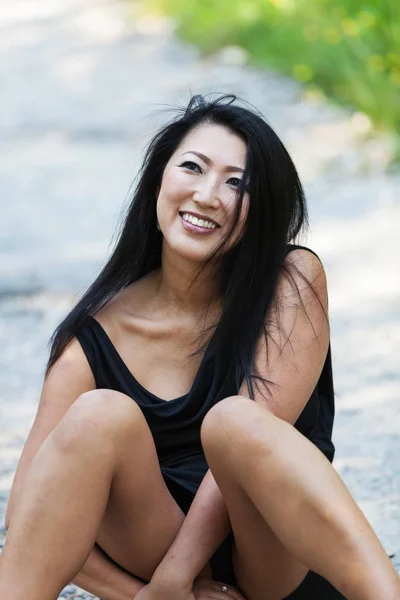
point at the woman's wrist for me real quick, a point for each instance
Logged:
(173, 576)
(205, 572)
(178, 574)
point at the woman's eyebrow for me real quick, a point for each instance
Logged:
(208, 161)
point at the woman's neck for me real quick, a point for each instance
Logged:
(175, 289)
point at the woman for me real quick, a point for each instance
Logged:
(118, 488)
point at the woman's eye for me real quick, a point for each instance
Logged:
(235, 181)
(192, 166)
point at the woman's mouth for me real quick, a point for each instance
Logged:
(197, 225)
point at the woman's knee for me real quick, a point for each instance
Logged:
(99, 416)
(234, 422)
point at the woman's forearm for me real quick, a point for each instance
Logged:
(101, 577)
(203, 530)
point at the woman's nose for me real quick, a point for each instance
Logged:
(207, 194)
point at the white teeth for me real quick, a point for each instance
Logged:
(198, 222)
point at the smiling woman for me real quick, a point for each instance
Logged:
(189, 398)
(199, 191)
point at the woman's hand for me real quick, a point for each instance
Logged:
(203, 589)
(207, 589)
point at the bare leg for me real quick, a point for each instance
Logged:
(277, 485)
(95, 477)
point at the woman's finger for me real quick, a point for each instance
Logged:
(227, 591)
(217, 590)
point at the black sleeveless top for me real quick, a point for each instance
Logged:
(175, 424)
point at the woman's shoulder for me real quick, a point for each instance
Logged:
(304, 259)
(306, 271)
(296, 250)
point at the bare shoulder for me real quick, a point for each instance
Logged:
(305, 261)
(73, 368)
(304, 271)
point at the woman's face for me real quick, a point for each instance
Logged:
(199, 191)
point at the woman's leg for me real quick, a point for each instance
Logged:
(289, 509)
(95, 478)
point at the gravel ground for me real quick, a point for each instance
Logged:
(81, 89)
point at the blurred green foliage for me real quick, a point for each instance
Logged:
(345, 49)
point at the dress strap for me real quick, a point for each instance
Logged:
(291, 247)
(108, 368)
(89, 346)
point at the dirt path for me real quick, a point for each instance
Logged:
(81, 86)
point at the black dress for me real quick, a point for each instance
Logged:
(175, 426)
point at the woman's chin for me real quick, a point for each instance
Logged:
(190, 254)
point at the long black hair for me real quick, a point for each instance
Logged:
(249, 271)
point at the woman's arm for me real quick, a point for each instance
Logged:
(103, 578)
(202, 532)
(70, 377)
(298, 338)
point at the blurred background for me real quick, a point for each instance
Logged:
(83, 86)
